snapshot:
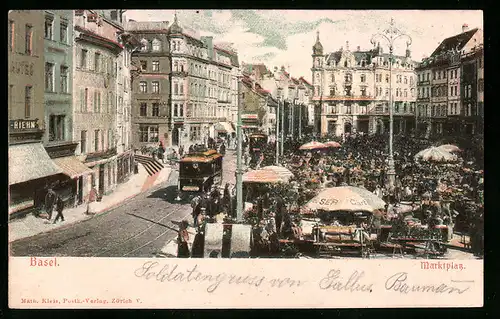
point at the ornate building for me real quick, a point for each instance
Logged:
(204, 91)
(351, 90)
(448, 90)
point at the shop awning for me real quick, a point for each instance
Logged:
(72, 167)
(224, 127)
(30, 161)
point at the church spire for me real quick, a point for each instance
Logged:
(317, 48)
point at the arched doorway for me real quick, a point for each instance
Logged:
(347, 128)
(175, 136)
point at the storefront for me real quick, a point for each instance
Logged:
(124, 166)
(31, 171)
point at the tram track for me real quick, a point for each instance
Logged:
(137, 235)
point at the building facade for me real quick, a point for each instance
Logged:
(203, 88)
(96, 93)
(58, 138)
(448, 86)
(151, 88)
(30, 167)
(352, 90)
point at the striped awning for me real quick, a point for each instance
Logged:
(30, 161)
(72, 167)
(151, 165)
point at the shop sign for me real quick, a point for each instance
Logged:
(22, 125)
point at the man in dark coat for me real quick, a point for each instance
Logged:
(59, 209)
(50, 201)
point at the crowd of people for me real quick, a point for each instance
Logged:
(439, 193)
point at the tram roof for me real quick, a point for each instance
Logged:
(204, 157)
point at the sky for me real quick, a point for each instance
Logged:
(285, 37)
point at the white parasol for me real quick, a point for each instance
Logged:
(283, 171)
(346, 198)
(435, 154)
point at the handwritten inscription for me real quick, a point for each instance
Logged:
(172, 273)
(335, 280)
(398, 283)
(354, 282)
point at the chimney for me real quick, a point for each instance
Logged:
(359, 48)
(465, 27)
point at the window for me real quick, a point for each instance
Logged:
(405, 80)
(348, 109)
(49, 77)
(363, 78)
(156, 109)
(64, 79)
(405, 93)
(96, 140)
(144, 65)
(96, 107)
(83, 142)
(49, 22)
(156, 66)
(156, 45)
(11, 35)
(144, 45)
(63, 35)
(143, 134)
(29, 40)
(27, 101)
(143, 109)
(102, 140)
(143, 87)
(156, 87)
(83, 59)
(97, 62)
(56, 127)
(181, 110)
(332, 91)
(175, 110)
(363, 91)
(387, 78)
(181, 88)
(153, 133)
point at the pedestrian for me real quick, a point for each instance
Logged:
(183, 250)
(59, 209)
(50, 201)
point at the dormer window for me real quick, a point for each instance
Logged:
(144, 45)
(345, 64)
(156, 45)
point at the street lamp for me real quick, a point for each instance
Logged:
(390, 35)
(276, 139)
(239, 170)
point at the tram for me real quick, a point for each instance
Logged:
(199, 170)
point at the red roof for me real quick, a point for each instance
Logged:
(95, 35)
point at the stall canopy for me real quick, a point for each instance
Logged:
(435, 154)
(346, 198)
(263, 176)
(30, 161)
(313, 146)
(224, 127)
(72, 167)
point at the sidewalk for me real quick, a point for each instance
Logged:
(138, 183)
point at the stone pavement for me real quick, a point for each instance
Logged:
(30, 225)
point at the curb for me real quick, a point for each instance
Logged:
(87, 217)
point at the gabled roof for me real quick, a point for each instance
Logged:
(304, 81)
(456, 42)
